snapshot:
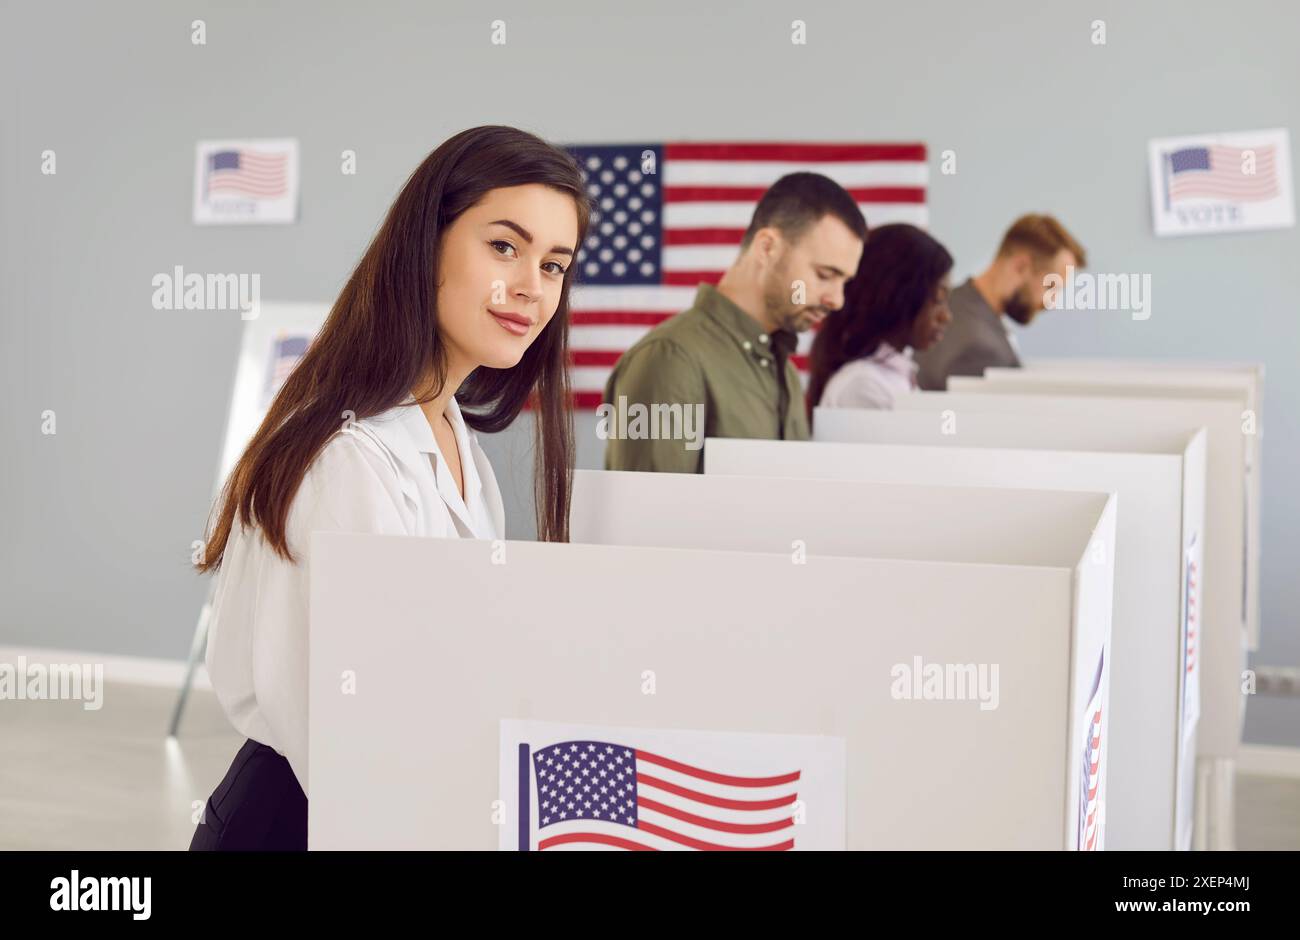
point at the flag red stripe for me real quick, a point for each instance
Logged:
(876, 194)
(617, 317)
(706, 846)
(719, 801)
(594, 357)
(570, 837)
(609, 357)
(586, 401)
(223, 176)
(265, 172)
(703, 236)
(690, 278)
(247, 189)
(240, 181)
(1225, 183)
(712, 777)
(705, 823)
(1220, 192)
(809, 152)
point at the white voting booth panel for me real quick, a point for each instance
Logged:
(1223, 659)
(851, 518)
(858, 518)
(1121, 378)
(1224, 648)
(1087, 365)
(1158, 477)
(739, 642)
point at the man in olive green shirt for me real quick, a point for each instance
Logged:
(722, 368)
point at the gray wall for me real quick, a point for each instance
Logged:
(98, 519)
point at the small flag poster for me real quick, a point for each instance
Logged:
(574, 787)
(244, 182)
(1221, 182)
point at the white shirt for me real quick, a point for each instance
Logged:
(873, 381)
(383, 474)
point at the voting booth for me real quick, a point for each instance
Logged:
(1243, 382)
(418, 695)
(1158, 477)
(1222, 621)
(844, 518)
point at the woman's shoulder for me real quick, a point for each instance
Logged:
(355, 452)
(864, 371)
(857, 383)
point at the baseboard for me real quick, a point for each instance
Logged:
(1268, 760)
(133, 670)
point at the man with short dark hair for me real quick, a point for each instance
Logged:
(1014, 286)
(729, 353)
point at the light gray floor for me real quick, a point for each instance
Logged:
(108, 779)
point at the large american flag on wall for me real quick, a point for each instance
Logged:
(670, 217)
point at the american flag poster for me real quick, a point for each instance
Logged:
(246, 181)
(1222, 182)
(591, 788)
(1091, 816)
(670, 216)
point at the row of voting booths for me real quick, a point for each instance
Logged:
(1012, 615)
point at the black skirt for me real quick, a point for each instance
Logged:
(258, 806)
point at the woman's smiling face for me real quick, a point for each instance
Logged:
(501, 269)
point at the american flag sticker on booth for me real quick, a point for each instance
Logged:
(246, 182)
(582, 787)
(1191, 636)
(1092, 796)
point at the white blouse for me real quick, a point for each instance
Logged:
(873, 381)
(383, 474)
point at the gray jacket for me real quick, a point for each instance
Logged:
(975, 340)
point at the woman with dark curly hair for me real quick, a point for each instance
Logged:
(897, 302)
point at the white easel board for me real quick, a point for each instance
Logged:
(271, 345)
(1159, 480)
(1222, 615)
(738, 642)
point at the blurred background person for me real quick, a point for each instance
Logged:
(1012, 286)
(896, 303)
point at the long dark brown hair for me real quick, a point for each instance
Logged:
(381, 340)
(900, 270)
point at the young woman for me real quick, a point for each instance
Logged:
(897, 302)
(460, 301)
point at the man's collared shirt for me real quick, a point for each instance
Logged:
(714, 355)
